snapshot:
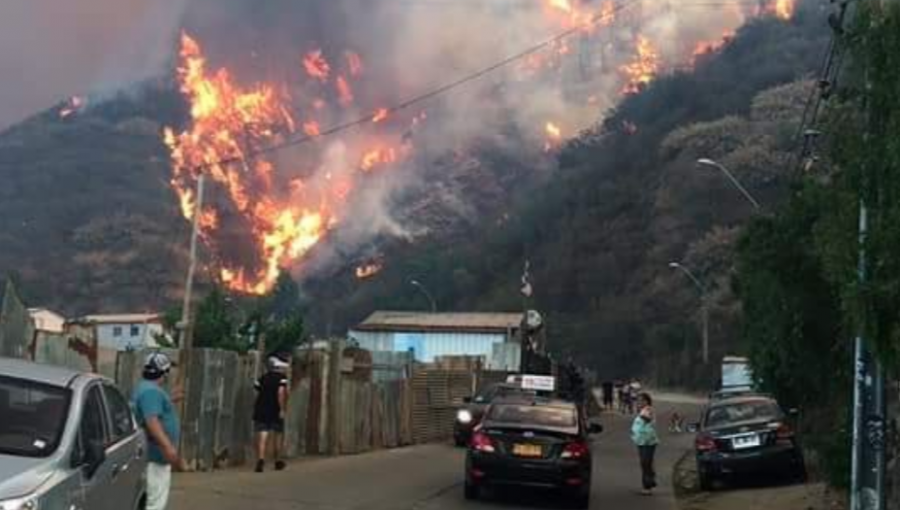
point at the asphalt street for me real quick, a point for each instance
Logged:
(430, 478)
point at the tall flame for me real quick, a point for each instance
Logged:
(784, 9)
(227, 122)
(644, 68)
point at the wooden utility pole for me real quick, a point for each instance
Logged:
(187, 331)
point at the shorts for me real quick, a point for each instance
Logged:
(276, 426)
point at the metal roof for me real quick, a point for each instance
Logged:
(422, 321)
(46, 374)
(124, 318)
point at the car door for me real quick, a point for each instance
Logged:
(125, 450)
(93, 428)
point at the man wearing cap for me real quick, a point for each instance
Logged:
(156, 414)
(268, 412)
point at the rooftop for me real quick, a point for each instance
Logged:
(422, 321)
(123, 318)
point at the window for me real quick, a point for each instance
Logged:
(537, 415)
(119, 414)
(135, 330)
(91, 428)
(742, 411)
(117, 330)
(33, 417)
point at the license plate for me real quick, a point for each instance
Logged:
(740, 443)
(527, 450)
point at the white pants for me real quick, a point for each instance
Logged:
(159, 481)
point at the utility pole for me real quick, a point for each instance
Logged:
(704, 305)
(186, 342)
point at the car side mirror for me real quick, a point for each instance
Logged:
(467, 400)
(94, 457)
(595, 427)
(793, 412)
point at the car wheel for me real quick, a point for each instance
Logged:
(471, 491)
(706, 479)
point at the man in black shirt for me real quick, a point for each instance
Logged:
(268, 412)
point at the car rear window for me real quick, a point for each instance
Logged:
(544, 416)
(34, 417)
(742, 411)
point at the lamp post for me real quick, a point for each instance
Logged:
(704, 305)
(711, 163)
(417, 284)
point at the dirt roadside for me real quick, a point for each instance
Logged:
(812, 496)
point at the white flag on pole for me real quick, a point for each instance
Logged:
(527, 290)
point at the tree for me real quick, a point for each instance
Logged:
(213, 324)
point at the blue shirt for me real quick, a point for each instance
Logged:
(150, 400)
(643, 432)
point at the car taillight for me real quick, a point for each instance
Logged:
(482, 443)
(576, 450)
(705, 443)
(784, 432)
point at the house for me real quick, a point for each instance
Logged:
(47, 320)
(429, 336)
(122, 332)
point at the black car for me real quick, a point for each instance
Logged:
(469, 416)
(538, 442)
(747, 435)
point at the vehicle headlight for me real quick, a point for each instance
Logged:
(462, 416)
(26, 503)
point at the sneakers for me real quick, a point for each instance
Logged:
(280, 465)
(260, 466)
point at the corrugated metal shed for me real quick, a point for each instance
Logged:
(430, 335)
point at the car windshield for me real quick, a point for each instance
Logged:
(34, 416)
(742, 411)
(544, 416)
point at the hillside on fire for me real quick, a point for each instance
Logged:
(358, 172)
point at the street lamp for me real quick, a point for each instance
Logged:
(732, 178)
(427, 294)
(704, 305)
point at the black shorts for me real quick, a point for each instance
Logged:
(276, 426)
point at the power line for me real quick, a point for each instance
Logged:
(367, 119)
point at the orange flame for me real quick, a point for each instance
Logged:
(378, 156)
(784, 9)
(707, 47)
(316, 66)
(562, 5)
(311, 128)
(643, 69)
(554, 136)
(354, 63)
(380, 115)
(369, 270)
(227, 122)
(345, 93)
(73, 105)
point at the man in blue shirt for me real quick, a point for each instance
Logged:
(156, 414)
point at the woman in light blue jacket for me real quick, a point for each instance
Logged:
(643, 433)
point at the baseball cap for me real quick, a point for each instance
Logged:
(157, 364)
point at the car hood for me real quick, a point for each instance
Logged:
(20, 476)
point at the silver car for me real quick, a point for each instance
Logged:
(68, 441)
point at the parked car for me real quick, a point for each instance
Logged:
(67, 440)
(532, 441)
(469, 416)
(745, 436)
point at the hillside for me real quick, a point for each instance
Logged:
(89, 223)
(627, 199)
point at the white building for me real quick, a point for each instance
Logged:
(47, 320)
(123, 332)
(492, 336)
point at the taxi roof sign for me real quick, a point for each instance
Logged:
(534, 382)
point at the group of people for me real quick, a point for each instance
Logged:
(622, 395)
(156, 413)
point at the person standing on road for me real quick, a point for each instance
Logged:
(643, 433)
(156, 415)
(268, 412)
(607, 388)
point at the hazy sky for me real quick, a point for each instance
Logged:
(52, 49)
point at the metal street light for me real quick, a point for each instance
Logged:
(428, 295)
(732, 178)
(704, 305)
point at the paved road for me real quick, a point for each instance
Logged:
(424, 478)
